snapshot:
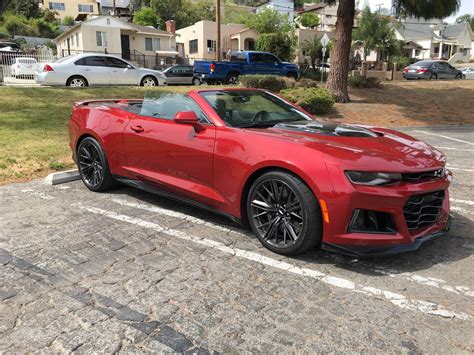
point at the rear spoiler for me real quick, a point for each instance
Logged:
(115, 101)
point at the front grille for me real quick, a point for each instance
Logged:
(423, 210)
(432, 174)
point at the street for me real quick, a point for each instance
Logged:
(130, 271)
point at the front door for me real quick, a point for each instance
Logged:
(95, 69)
(125, 39)
(168, 155)
(122, 72)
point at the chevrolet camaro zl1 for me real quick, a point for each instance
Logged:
(256, 158)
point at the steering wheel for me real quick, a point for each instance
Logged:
(259, 116)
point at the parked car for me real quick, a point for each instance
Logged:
(9, 47)
(242, 63)
(245, 154)
(97, 69)
(24, 66)
(467, 73)
(324, 67)
(181, 74)
(431, 69)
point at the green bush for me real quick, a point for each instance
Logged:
(401, 61)
(267, 82)
(305, 83)
(314, 100)
(365, 83)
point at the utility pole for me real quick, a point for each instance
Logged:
(218, 21)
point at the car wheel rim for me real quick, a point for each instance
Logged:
(276, 213)
(90, 165)
(148, 82)
(77, 83)
(233, 80)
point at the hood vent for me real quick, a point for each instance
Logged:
(331, 129)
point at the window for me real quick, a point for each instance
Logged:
(238, 57)
(193, 46)
(270, 59)
(116, 63)
(58, 6)
(77, 39)
(257, 58)
(166, 106)
(152, 44)
(101, 38)
(211, 45)
(96, 61)
(85, 8)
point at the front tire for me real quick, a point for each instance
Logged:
(459, 76)
(93, 166)
(284, 213)
(149, 81)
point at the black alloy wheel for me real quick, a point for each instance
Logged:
(284, 214)
(93, 166)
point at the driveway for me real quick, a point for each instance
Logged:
(129, 271)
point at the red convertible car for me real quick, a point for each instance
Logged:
(256, 158)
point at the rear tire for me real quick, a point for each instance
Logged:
(284, 214)
(77, 82)
(197, 82)
(434, 77)
(232, 79)
(93, 166)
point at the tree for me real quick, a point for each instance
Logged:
(312, 47)
(337, 81)
(27, 8)
(269, 21)
(191, 13)
(68, 21)
(282, 44)
(309, 19)
(146, 16)
(467, 18)
(376, 33)
(167, 9)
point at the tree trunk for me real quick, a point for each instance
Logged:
(337, 81)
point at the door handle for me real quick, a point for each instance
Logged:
(138, 129)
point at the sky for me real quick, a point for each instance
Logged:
(467, 7)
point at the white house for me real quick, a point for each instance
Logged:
(286, 7)
(424, 40)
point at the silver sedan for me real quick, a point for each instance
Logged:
(96, 70)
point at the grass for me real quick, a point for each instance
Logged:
(33, 127)
(33, 121)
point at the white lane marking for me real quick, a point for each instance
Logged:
(396, 299)
(459, 149)
(466, 202)
(387, 272)
(39, 194)
(171, 213)
(461, 210)
(455, 168)
(446, 137)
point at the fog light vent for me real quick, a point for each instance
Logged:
(366, 221)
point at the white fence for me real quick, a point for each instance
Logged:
(19, 68)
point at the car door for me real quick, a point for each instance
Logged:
(273, 64)
(257, 64)
(445, 71)
(172, 75)
(187, 75)
(171, 156)
(122, 73)
(95, 69)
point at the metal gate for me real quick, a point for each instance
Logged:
(20, 68)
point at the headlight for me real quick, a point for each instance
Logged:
(161, 75)
(372, 179)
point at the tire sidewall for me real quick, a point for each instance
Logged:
(312, 231)
(142, 83)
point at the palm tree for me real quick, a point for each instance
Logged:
(311, 48)
(337, 81)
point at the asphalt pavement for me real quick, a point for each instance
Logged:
(127, 271)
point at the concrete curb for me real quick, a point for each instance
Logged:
(62, 177)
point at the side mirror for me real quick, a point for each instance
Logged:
(189, 118)
(130, 67)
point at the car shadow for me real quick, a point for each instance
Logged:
(457, 244)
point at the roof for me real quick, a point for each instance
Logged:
(128, 25)
(456, 30)
(417, 31)
(314, 7)
(118, 3)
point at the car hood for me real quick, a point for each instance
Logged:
(361, 146)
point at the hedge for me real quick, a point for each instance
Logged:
(274, 83)
(314, 100)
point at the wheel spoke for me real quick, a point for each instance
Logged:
(291, 231)
(273, 225)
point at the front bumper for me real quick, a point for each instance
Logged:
(371, 251)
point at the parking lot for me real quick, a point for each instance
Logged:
(130, 271)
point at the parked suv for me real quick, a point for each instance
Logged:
(431, 69)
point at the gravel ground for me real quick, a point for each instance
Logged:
(128, 271)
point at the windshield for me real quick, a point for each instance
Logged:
(249, 108)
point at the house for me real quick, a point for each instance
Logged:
(286, 7)
(77, 9)
(146, 46)
(199, 41)
(327, 15)
(428, 40)
(116, 8)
